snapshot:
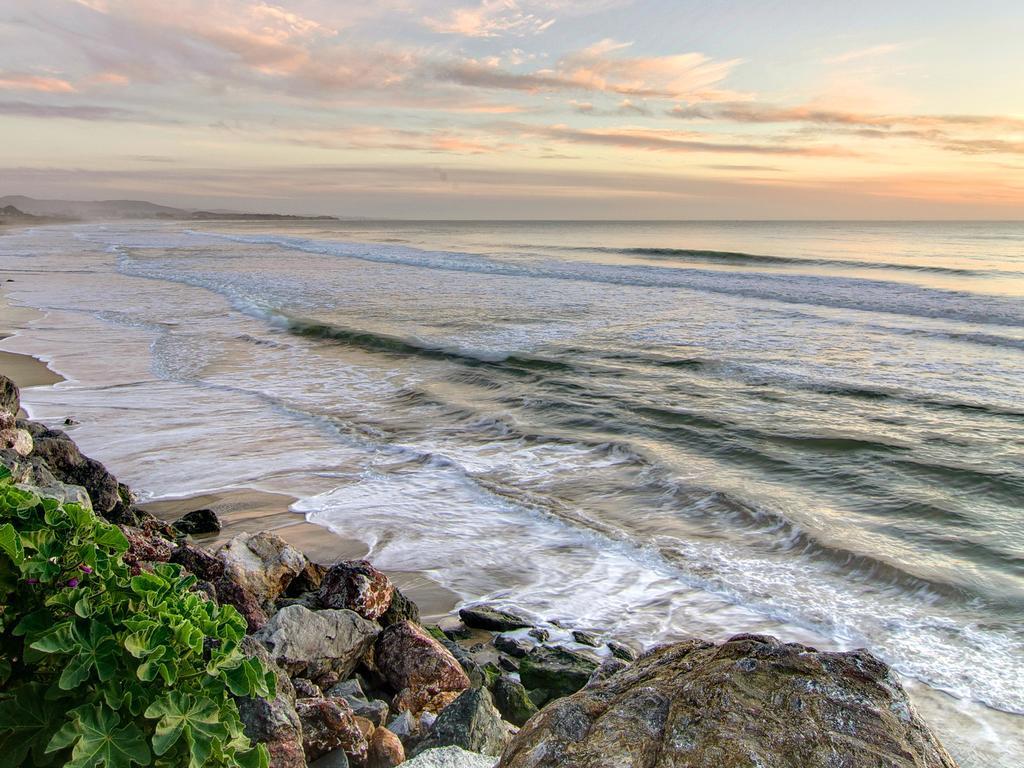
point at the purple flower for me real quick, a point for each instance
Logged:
(85, 568)
(31, 581)
(72, 582)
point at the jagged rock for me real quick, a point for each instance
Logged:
(622, 651)
(263, 563)
(385, 750)
(198, 521)
(539, 633)
(12, 437)
(606, 669)
(415, 664)
(335, 759)
(374, 710)
(557, 671)
(400, 609)
(449, 757)
(308, 581)
(230, 593)
(513, 646)
(143, 548)
(307, 689)
(512, 701)
(324, 646)
(358, 586)
(198, 561)
(506, 663)
(494, 619)
(423, 701)
(327, 725)
(749, 701)
(586, 638)
(10, 397)
(68, 465)
(405, 726)
(32, 472)
(471, 722)
(273, 722)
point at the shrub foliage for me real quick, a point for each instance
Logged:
(100, 667)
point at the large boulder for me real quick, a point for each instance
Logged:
(13, 437)
(400, 609)
(10, 397)
(68, 465)
(144, 549)
(555, 671)
(449, 757)
(512, 701)
(751, 701)
(385, 750)
(245, 602)
(263, 563)
(328, 724)
(198, 561)
(273, 722)
(358, 586)
(471, 722)
(418, 667)
(324, 646)
(32, 471)
(197, 522)
(494, 619)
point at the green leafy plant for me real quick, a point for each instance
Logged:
(100, 667)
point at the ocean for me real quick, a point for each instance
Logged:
(655, 429)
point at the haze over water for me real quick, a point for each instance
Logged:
(656, 429)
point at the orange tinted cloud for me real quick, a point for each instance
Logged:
(19, 81)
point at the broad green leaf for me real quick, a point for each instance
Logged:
(27, 721)
(97, 650)
(99, 740)
(10, 543)
(61, 639)
(196, 719)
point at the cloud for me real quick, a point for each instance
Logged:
(75, 112)
(21, 81)
(491, 18)
(662, 141)
(601, 68)
(870, 52)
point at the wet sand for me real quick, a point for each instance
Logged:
(23, 370)
(249, 510)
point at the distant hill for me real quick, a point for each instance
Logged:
(11, 215)
(129, 209)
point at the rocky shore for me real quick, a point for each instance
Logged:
(362, 682)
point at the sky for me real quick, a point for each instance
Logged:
(505, 109)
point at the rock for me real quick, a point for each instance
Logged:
(423, 701)
(512, 701)
(415, 664)
(507, 664)
(494, 619)
(471, 722)
(143, 548)
(327, 725)
(31, 471)
(347, 689)
(405, 727)
(263, 563)
(622, 651)
(539, 633)
(10, 397)
(273, 722)
(374, 710)
(449, 757)
(198, 561)
(749, 701)
(607, 668)
(586, 638)
(243, 601)
(306, 689)
(335, 759)
(385, 750)
(557, 671)
(513, 646)
(538, 697)
(13, 437)
(307, 581)
(68, 465)
(400, 609)
(358, 586)
(197, 522)
(324, 646)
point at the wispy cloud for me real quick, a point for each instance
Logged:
(93, 112)
(492, 18)
(871, 52)
(22, 81)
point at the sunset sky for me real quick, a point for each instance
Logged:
(520, 108)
